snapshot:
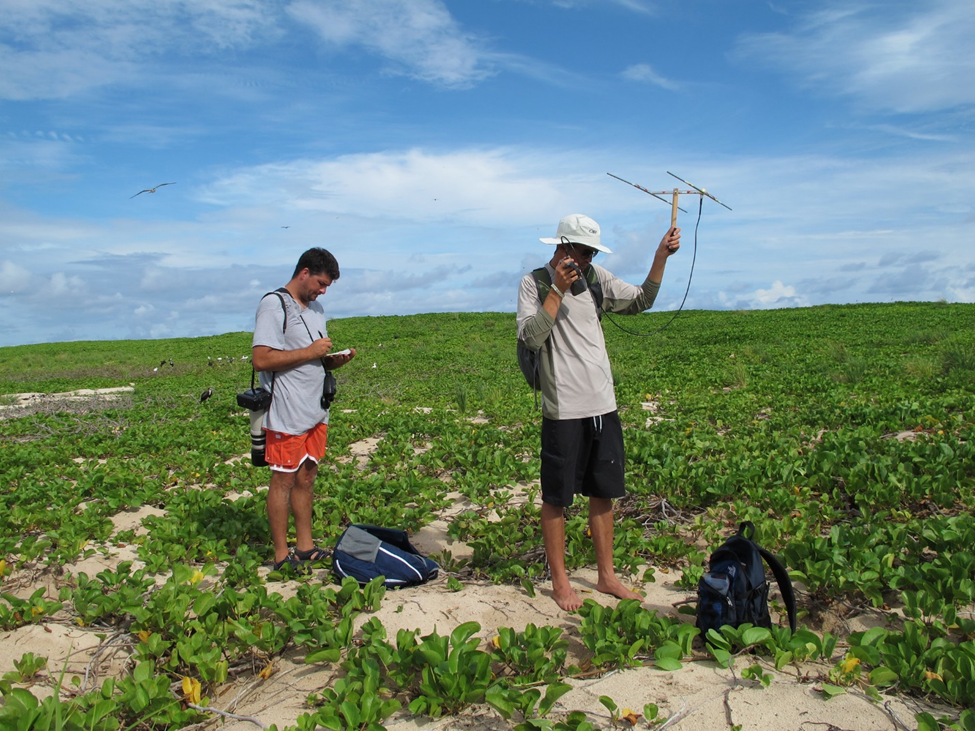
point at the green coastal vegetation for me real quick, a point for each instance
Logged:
(846, 434)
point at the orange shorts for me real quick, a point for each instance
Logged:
(286, 452)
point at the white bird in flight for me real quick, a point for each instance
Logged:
(151, 190)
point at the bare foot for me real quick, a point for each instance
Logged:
(615, 588)
(566, 598)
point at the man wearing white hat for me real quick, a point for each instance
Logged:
(582, 438)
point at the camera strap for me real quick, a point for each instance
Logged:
(254, 377)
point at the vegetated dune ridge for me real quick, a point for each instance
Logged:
(842, 432)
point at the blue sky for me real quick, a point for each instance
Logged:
(429, 143)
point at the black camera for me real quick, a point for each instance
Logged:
(254, 399)
(578, 286)
(328, 390)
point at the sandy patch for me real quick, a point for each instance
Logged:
(17, 404)
(132, 519)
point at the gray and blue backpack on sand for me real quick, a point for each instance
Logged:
(367, 551)
(734, 591)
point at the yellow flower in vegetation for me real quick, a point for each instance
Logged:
(496, 641)
(192, 690)
(928, 675)
(144, 635)
(197, 577)
(630, 716)
(849, 664)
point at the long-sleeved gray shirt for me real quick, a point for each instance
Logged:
(573, 365)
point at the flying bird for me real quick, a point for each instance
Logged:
(206, 394)
(151, 190)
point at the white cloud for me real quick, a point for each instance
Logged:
(468, 186)
(56, 48)
(637, 6)
(419, 37)
(777, 295)
(36, 153)
(13, 278)
(643, 72)
(913, 135)
(55, 73)
(62, 285)
(884, 57)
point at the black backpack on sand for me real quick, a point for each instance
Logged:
(735, 591)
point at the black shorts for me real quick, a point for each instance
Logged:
(582, 457)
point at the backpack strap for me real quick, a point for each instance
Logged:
(596, 287)
(279, 293)
(544, 281)
(747, 530)
(785, 584)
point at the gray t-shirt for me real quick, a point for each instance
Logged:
(296, 406)
(574, 369)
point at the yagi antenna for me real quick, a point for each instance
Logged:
(674, 195)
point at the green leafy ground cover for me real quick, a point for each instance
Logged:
(843, 433)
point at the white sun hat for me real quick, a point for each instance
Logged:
(578, 229)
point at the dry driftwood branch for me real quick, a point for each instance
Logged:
(225, 714)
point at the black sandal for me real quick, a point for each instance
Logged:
(313, 555)
(296, 566)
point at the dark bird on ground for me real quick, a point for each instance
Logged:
(162, 363)
(206, 394)
(151, 190)
(171, 365)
